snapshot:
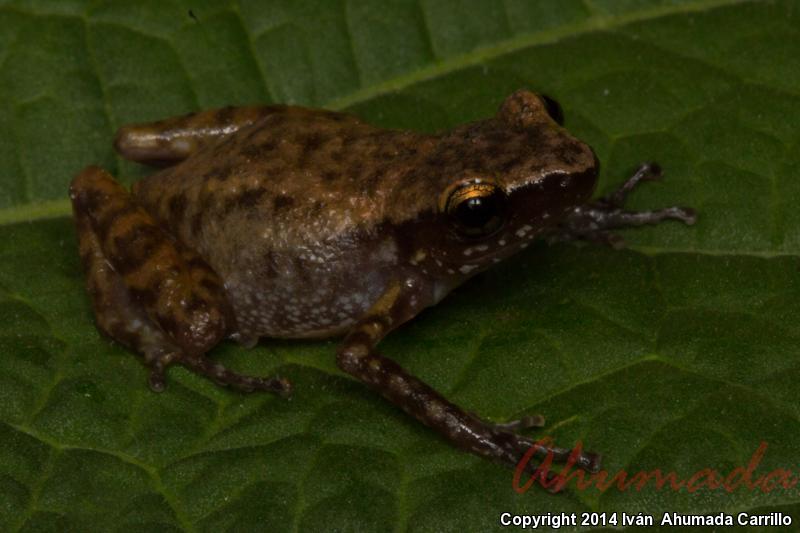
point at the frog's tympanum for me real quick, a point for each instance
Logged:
(280, 221)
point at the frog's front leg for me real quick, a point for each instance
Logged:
(357, 356)
(148, 291)
(594, 220)
(172, 140)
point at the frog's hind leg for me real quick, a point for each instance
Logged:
(149, 292)
(172, 140)
(500, 442)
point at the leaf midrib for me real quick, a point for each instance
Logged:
(47, 209)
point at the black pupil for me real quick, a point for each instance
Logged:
(479, 212)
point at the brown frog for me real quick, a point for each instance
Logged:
(281, 221)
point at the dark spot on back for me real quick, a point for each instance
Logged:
(510, 163)
(330, 175)
(282, 201)
(275, 121)
(258, 150)
(196, 224)
(373, 180)
(310, 144)
(245, 199)
(177, 206)
(333, 115)
(221, 172)
(204, 202)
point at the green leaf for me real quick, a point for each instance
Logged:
(679, 353)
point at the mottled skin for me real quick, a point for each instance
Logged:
(281, 221)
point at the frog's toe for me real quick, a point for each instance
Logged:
(645, 172)
(222, 375)
(687, 215)
(526, 422)
(542, 449)
(158, 362)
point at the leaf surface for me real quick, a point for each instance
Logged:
(678, 353)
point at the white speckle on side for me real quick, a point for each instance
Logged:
(496, 260)
(400, 385)
(419, 256)
(453, 424)
(451, 271)
(501, 242)
(521, 232)
(466, 269)
(435, 410)
(479, 248)
(524, 245)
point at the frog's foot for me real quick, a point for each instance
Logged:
(594, 220)
(519, 445)
(498, 442)
(148, 292)
(202, 365)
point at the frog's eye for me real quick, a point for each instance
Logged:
(476, 209)
(553, 109)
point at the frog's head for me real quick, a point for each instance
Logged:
(500, 183)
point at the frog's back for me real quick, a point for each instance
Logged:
(297, 177)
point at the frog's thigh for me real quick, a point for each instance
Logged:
(357, 356)
(172, 140)
(162, 301)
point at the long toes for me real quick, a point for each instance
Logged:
(222, 375)
(650, 171)
(685, 214)
(216, 372)
(526, 422)
(591, 462)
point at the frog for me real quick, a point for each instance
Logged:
(286, 222)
